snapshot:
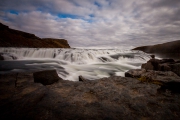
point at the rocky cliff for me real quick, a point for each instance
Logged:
(166, 50)
(15, 38)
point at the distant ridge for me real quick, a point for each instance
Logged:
(15, 38)
(169, 49)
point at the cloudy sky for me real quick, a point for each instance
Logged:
(96, 23)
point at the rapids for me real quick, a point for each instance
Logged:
(70, 63)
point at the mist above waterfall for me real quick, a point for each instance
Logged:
(70, 63)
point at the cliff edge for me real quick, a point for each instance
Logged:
(15, 38)
(165, 50)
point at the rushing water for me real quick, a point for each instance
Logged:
(70, 63)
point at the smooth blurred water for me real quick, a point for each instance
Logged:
(70, 63)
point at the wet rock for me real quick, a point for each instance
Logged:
(135, 73)
(7, 56)
(81, 78)
(147, 66)
(152, 56)
(152, 64)
(46, 77)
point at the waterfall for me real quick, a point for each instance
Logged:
(70, 63)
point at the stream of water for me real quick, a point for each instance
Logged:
(70, 63)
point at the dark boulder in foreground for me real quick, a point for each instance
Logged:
(112, 98)
(135, 73)
(46, 77)
(81, 78)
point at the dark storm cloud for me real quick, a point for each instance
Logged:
(96, 22)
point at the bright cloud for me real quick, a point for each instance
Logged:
(93, 23)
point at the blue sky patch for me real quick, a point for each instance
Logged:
(62, 15)
(97, 4)
(13, 12)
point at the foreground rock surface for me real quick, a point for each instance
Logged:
(108, 98)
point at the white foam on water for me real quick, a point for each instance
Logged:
(70, 63)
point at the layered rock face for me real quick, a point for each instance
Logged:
(165, 50)
(15, 38)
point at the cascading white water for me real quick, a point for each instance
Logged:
(70, 63)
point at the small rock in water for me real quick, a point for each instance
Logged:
(46, 77)
(152, 56)
(81, 78)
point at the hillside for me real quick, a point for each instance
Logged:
(169, 49)
(15, 38)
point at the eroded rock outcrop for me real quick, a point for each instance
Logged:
(15, 38)
(153, 76)
(162, 65)
(165, 50)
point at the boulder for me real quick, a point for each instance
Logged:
(164, 67)
(152, 64)
(81, 78)
(175, 68)
(135, 73)
(152, 56)
(147, 66)
(46, 77)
